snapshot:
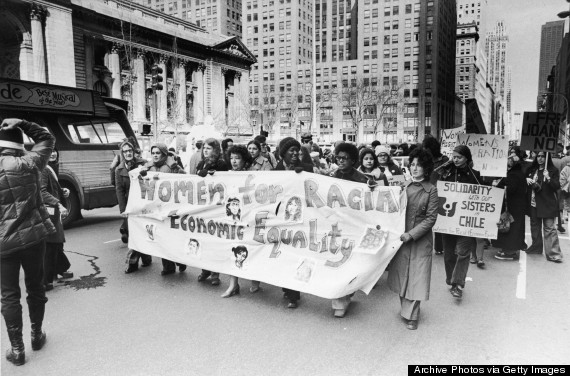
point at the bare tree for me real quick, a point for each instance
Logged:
(388, 99)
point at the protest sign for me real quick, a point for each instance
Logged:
(540, 131)
(489, 152)
(302, 231)
(468, 209)
(449, 139)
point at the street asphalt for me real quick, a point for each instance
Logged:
(105, 322)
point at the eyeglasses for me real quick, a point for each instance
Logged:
(382, 155)
(341, 158)
(128, 151)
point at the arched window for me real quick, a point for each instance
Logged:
(101, 88)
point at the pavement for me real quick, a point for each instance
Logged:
(105, 322)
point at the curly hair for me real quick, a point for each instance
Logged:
(217, 149)
(364, 152)
(297, 214)
(241, 151)
(349, 149)
(432, 144)
(237, 250)
(229, 211)
(424, 158)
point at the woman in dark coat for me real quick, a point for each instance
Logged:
(516, 203)
(122, 186)
(387, 165)
(289, 151)
(212, 161)
(370, 167)
(543, 183)
(410, 269)
(456, 248)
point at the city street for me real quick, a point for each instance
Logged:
(105, 322)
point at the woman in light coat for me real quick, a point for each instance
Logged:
(410, 270)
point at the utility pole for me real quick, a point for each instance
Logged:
(157, 78)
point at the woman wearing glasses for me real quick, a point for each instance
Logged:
(387, 165)
(543, 181)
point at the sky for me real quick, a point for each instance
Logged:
(523, 19)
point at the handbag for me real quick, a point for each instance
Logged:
(506, 218)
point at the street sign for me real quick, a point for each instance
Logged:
(540, 131)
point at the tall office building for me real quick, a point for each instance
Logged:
(472, 11)
(550, 41)
(216, 16)
(496, 45)
(404, 48)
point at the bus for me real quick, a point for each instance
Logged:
(88, 129)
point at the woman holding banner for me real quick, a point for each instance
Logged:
(370, 166)
(457, 249)
(410, 270)
(543, 180)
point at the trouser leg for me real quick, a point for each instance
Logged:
(463, 250)
(551, 243)
(292, 295)
(168, 265)
(50, 262)
(133, 257)
(449, 256)
(341, 303)
(32, 263)
(536, 232)
(437, 242)
(410, 309)
(11, 293)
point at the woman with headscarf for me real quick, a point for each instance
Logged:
(543, 182)
(212, 161)
(457, 249)
(162, 162)
(515, 202)
(55, 260)
(370, 167)
(289, 152)
(410, 269)
(259, 163)
(122, 186)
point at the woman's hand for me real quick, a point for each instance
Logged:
(62, 209)
(405, 237)
(546, 175)
(529, 181)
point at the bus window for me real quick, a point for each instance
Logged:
(96, 132)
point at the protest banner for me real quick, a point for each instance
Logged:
(489, 151)
(449, 139)
(302, 231)
(540, 131)
(468, 209)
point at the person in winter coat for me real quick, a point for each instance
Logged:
(370, 167)
(212, 161)
(24, 226)
(289, 153)
(515, 202)
(457, 249)
(410, 269)
(387, 166)
(543, 181)
(565, 186)
(260, 163)
(55, 261)
(122, 186)
(162, 162)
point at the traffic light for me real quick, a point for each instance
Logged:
(156, 77)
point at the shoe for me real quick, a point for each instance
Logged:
(229, 294)
(285, 295)
(439, 252)
(530, 252)
(49, 286)
(556, 260)
(412, 324)
(39, 339)
(504, 256)
(339, 313)
(254, 289)
(131, 268)
(204, 275)
(16, 354)
(481, 264)
(146, 263)
(168, 271)
(181, 268)
(561, 229)
(456, 292)
(66, 275)
(292, 305)
(125, 238)
(215, 281)
(473, 261)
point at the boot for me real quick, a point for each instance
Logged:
(16, 355)
(38, 337)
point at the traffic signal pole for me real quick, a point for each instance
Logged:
(156, 79)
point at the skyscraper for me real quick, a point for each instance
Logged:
(472, 11)
(496, 50)
(550, 41)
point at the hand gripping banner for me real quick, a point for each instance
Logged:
(308, 232)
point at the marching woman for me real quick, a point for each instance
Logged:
(387, 165)
(260, 163)
(289, 151)
(122, 186)
(457, 249)
(410, 269)
(212, 161)
(370, 166)
(543, 181)
(162, 162)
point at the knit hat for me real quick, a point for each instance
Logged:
(382, 149)
(464, 151)
(12, 138)
(286, 144)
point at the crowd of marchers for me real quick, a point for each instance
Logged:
(31, 235)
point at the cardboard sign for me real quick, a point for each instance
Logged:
(468, 209)
(449, 140)
(303, 231)
(489, 152)
(540, 131)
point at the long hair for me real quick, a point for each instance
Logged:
(229, 211)
(364, 153)
(549, 165)
(297, 215)
(425, 159)
(216, 150)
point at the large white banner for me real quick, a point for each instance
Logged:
(303, 231)
(468, 209)
(489, 151)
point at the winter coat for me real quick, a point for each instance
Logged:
(392, 167)
(52, 194)
(376, 175)
(25, 220)
(170, 166)
(516, 203)
(261, 164)
(123, 182)
(306, 167)
(410, 269)
(437, 162)
(353, 175)
(206, 165)
(545, 192)
(461, 175)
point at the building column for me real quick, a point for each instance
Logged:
(26, 58)
(37, 16)
(139, 88)
(199, 93)
(181, 93)
(115, 68)
(162, 95)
